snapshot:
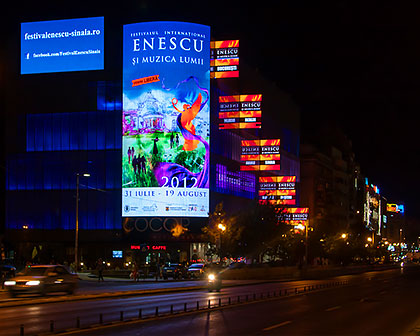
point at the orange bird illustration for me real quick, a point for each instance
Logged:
(187, 116)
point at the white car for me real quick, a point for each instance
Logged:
(42, 279)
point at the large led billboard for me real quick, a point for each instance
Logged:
(166, 119)
(224, 62)
(240, 111)
(277, 190)
(260, 154)
(62, 45)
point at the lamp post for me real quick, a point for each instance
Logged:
(306, 243)
(76, 241)
(302, 227)
(222, 229)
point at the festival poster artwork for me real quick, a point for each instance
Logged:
(166, 119)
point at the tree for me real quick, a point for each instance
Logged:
(262, 231)
(223, 233)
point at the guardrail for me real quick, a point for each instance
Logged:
(181, 308)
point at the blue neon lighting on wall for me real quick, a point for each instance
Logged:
(73, 131)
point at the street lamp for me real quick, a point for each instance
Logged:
(76, 242)
(305, 227)
(222, 229)
(306, 243)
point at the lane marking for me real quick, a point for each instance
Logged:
(333, 308)
(277, 325)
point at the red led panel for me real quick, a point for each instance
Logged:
(260, 154)
(277, 190)
(295, 215)
(240, 111)
(224, 59)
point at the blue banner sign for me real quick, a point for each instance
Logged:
(62, 45)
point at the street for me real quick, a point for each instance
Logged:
(381, 302)
(371, 305)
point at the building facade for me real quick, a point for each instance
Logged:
(41, 183)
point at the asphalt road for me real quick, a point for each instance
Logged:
(369, 297)
(372, 304)
(36, 317)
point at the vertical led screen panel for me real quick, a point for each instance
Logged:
(277, 190)
(62, 45)
(224, 62)
(260, 154)
(166, 119)
(240, 111)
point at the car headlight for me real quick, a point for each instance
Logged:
(10, 283)
(33, 283)
(212, 277)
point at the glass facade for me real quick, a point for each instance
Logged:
(41, 182)
(238, 183)
(73, 131)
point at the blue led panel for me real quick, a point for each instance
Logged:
(62, 45)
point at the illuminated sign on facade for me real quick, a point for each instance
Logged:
(260, 154)
(240, 111)
(224, 59)
(398, 208)
(372, 214)
(277, 190)
(295, 215)
(145, 248)
(391, 207)
(166, 120)
(62, 45)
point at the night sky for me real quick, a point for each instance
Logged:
(353, 64)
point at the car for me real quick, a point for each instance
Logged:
(7, 271)
(175, 271)
(214, 282)
(196, 270)
(42, 279)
